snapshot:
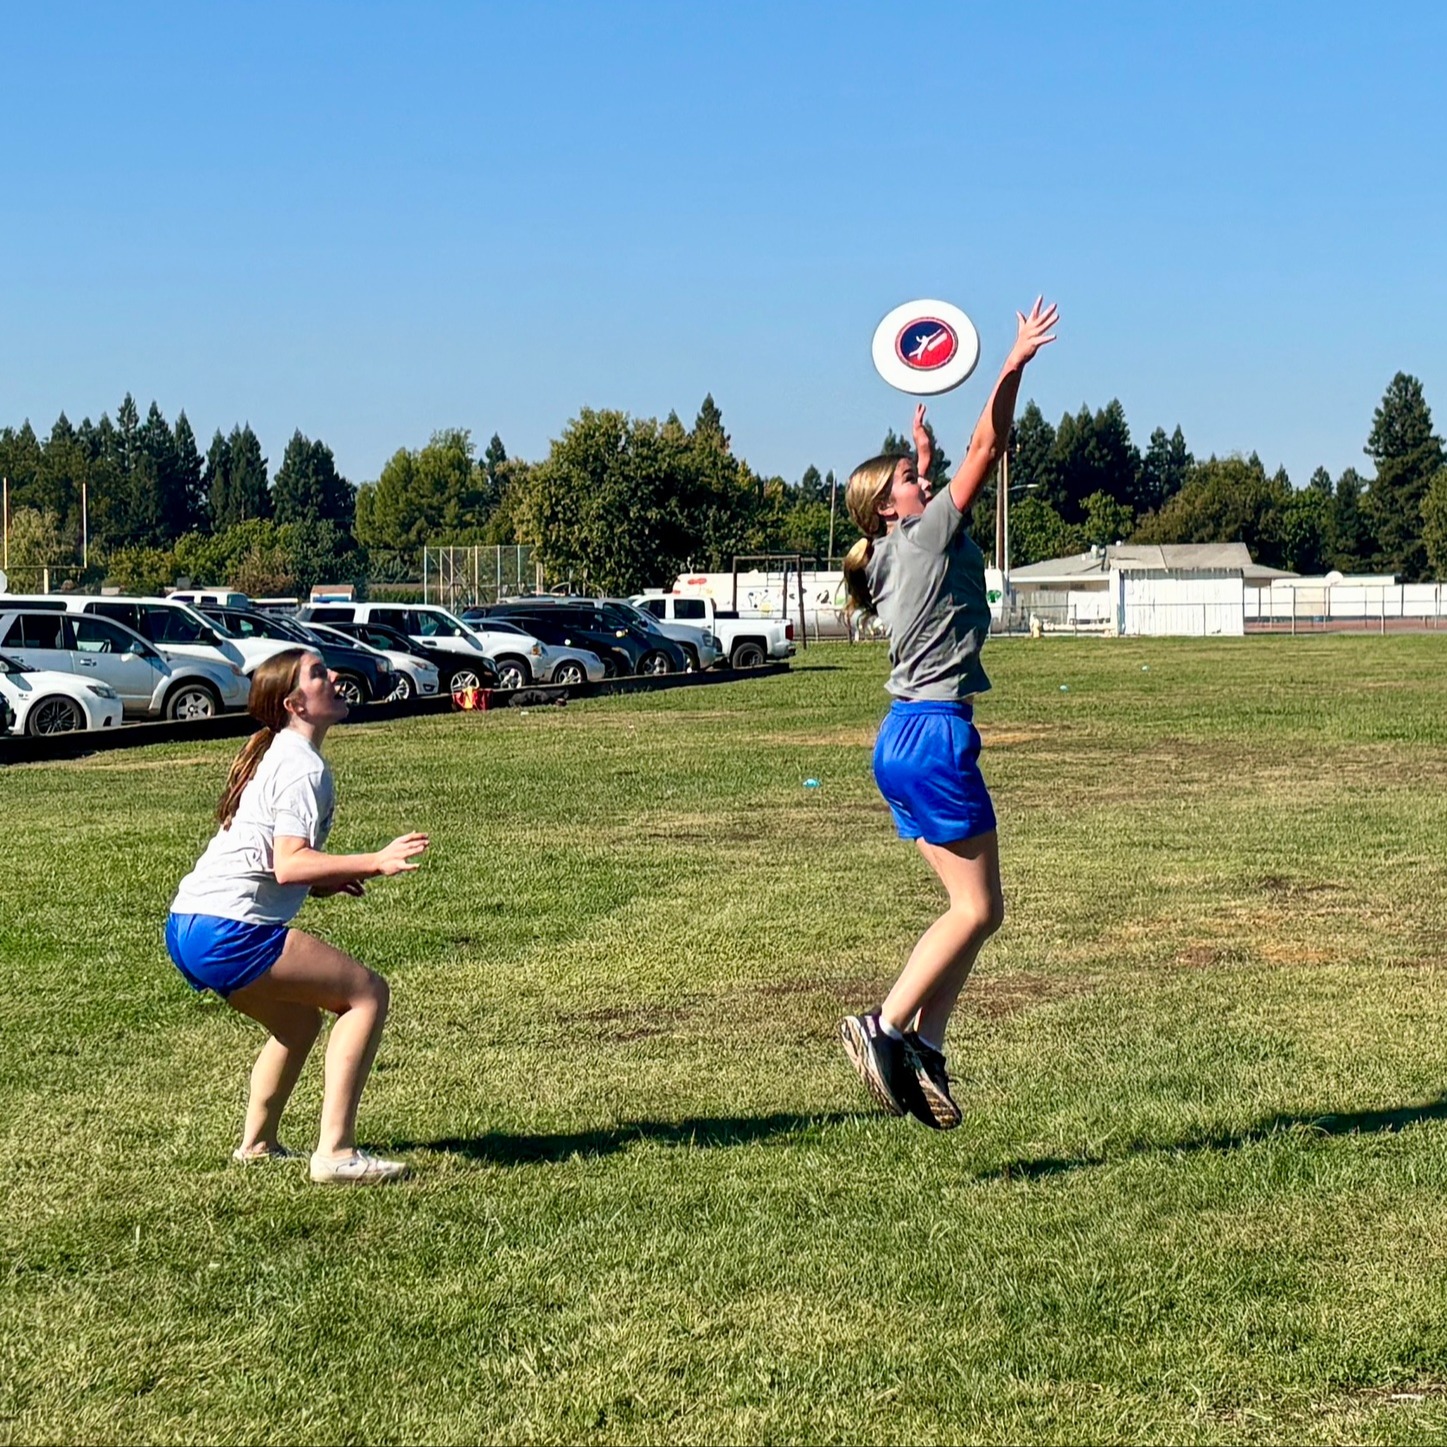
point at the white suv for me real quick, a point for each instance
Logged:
(174, 630)
(89, 648)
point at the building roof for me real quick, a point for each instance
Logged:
(1147, 558)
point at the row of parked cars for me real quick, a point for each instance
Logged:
(81, 661)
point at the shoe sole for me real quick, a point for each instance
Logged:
(944, 1112)
(861, 1057)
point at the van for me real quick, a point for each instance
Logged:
(175, 629)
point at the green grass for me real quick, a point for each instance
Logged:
(1200, 1193)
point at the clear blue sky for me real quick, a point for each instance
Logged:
(373, 221)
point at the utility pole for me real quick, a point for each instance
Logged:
(84, 528)
(5, 483)
(833, 490)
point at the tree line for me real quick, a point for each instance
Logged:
(626, 502)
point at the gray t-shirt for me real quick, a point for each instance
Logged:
(290, 793)
(927, 579)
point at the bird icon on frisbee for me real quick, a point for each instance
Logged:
(925, 347)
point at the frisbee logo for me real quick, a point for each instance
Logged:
(926, 344)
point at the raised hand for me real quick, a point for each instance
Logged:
(397, 857)
(921, 437)
(1034, 331)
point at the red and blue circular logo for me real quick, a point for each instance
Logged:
(926, 343)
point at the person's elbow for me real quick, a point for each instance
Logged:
(289, 865)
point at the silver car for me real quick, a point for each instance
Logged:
(148, 685)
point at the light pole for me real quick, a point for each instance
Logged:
(833, 489)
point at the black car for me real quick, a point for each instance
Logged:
(454, 671)
(599, 627)
(361, 676)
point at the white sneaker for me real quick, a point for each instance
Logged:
(275, 1152)
(355, 1168)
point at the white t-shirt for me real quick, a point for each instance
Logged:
(291, 793)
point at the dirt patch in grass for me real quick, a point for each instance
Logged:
(1012, 738)
(105, 764)
(852, 738)
(622, 1024)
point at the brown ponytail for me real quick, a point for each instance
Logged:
(273, 682)
(868, 487)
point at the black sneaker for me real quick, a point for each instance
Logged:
(884, 1066)
(933, 1082)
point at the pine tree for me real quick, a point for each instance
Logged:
(217, 483)
(811, 485)
(307, 487)
(158, 506)
(1407, 454)
(709, 423)
(190, 495)
(1164, 467)
(250, 495)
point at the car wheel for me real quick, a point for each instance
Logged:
(55, 715)
(748, 655)
(655, 663)
(192, 700)
(464, 678)
(513, 672)
(402, 691)
(570, 673)
(691, 654)
(352, 689)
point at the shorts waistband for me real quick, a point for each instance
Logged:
(959, 707)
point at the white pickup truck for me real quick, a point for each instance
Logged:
(745, 642)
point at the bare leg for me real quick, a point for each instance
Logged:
(314, 974)
(927, 989)
(294, 1029)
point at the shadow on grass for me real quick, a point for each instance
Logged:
(1361, 1122)
(705, 1133)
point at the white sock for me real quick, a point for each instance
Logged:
(890, 1030)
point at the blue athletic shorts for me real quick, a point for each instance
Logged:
(222, 954)
(927, 766)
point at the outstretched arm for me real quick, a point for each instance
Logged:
(294, 861)
(924, 448)
(992, 431)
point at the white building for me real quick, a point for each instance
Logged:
(1189, 589)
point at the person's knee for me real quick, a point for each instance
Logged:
(994, 914)
(301, 1030)
(376, 994)
(982, 915)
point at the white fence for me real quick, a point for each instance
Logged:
(1322, 606)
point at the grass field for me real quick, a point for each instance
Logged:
(1200, 1194)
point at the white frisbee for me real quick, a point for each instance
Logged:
(925, 347)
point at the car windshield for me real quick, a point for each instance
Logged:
(498, 625)
(290, 628)
(204, 624)
(636, 616)
(442, 625)
(13, 665)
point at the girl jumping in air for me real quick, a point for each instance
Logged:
(228, 930)
(919, 572)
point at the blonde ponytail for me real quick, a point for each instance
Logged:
(243, 767)
(273, 682)
(856, 578)
(865, 493)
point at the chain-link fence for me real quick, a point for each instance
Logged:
(461, 577)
